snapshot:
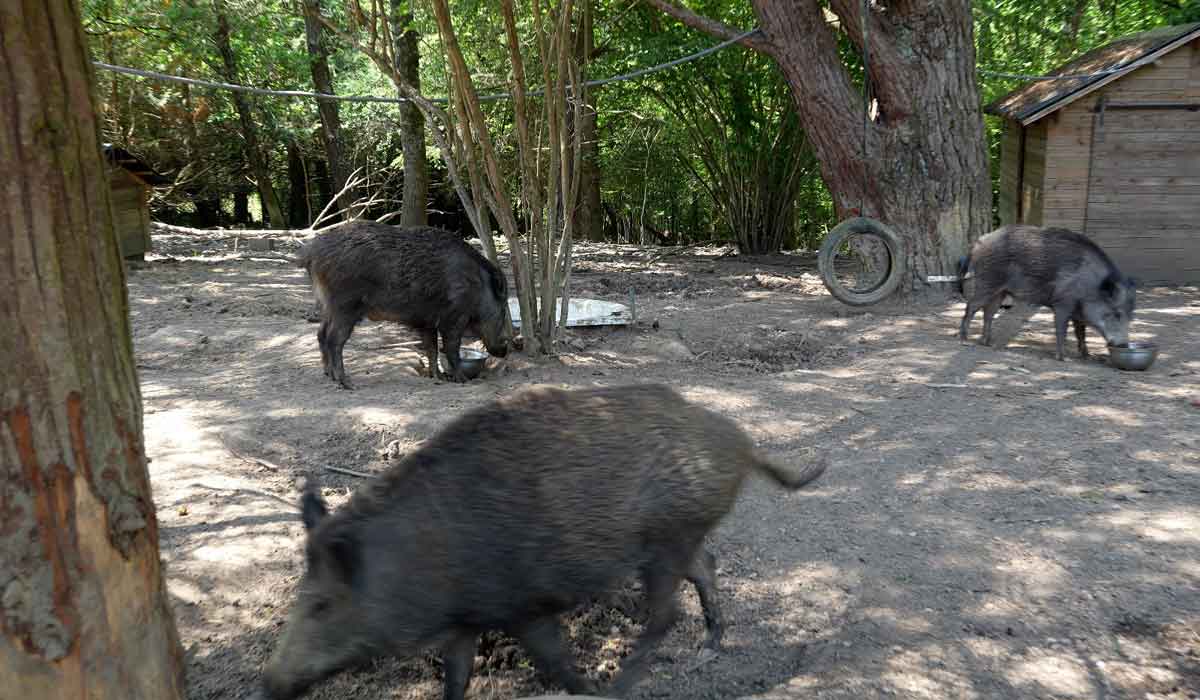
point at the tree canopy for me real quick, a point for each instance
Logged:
(708, 150)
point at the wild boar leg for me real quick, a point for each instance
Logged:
(703, 575)
(661, 581)
(429, 343)
(458, 658)
(989, 313)
(965, 326)
(322, 340)
(339, 332)
(543, 640)
(1081, 337)
(452, 341)
(1062, 316)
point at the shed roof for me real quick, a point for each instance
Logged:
(1038, 98)
(122, 158)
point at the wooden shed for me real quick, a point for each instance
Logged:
(1116, 156)
(130, 181)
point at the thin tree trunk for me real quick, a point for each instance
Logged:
(925, 169)
(84, 612)
(327, 110)
(241, 207)
(297, 188)
(254, 155)
(1069, 41)
(412, 125)
(589, 218)
(324, 193)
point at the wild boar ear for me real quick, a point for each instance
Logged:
(1109, 286)
(343, 550)
(312, 508)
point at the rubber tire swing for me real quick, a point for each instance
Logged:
(861, 226)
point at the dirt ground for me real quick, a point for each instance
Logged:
(994, 523)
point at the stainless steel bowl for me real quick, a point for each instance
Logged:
(470, 360)
(1135, 356)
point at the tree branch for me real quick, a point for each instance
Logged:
(888, 68)
(711, 26)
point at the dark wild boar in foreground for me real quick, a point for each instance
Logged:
(513, 514)
(1052, 267)
(425, 278)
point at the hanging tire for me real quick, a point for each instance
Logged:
(886, 264)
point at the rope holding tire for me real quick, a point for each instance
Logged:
(861, 226)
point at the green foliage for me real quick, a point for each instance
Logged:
(662, 178)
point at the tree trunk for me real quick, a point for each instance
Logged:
(412, 124)
(324, 191)
(297, 188)
(208, 213)
(925, 168)
(331, 124)
(1069, 39)
(84, 612)
(589, 218)
(241, 207)
(254, 155)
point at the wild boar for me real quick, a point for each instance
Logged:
(425, 278)
(1052, 267)
(514, 513)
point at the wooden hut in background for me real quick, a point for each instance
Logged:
(1115, 156)
(131, 181)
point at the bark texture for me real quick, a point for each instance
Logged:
(924, 171)
(589, 216)
(299, 215)
(83, 610)
(412, 124)
(254, 155)
(331, 123)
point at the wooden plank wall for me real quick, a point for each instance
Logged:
(1010, 156)
(1144, 199)
(1141, 200)
(1034, 179)
(1068, 145)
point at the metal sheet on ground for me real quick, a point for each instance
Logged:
(583, 312)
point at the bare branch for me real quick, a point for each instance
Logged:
(711, 26)
(352, 182)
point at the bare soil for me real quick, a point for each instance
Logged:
(994, 523)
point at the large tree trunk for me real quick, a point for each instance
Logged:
(272, 211)
(589, 218)
(331, 124)
(925, 169)
(298, 214)
(412, 124)
(84, 612)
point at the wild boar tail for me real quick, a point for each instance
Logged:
(304, 257)
(964, 263)
(789, 479)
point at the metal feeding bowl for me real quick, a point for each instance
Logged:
(1133, 356)
(470, 360)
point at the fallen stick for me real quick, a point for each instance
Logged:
(350, 472)
(247, 458)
